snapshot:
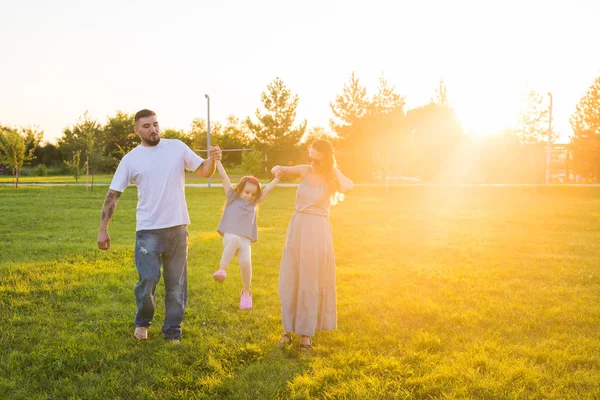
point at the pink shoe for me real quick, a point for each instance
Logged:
(220, 275)
(246, 301)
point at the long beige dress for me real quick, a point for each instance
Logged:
(307, 270)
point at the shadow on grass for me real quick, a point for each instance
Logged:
(265, 378)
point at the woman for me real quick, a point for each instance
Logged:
(307, 270)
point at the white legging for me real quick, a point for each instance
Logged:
(233, 243)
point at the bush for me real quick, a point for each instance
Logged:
(41, 170)
(252, 163)
(26, 171)
(105, 164)
(60, 170)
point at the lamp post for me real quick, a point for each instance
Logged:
(549, 149)
(207, 129)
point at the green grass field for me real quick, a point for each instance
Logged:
(489, 293)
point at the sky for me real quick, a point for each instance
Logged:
(62, 58)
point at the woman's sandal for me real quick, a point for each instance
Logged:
(306, 346)
(286, 339)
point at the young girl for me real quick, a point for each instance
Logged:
(238, 227)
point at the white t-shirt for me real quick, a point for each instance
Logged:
(159, 174)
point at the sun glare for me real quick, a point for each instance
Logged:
(483, 114)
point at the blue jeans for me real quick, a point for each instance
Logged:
(153, 248)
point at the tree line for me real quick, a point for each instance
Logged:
(374, 136)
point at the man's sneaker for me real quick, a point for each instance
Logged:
(141, 333)
(173, 340)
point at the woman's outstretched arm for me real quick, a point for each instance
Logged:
(293, 171)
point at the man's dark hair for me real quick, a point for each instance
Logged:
(143, 114)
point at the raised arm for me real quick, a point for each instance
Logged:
(224, 177)
(207, 168)
(268, 189)
(288, 172)
(108, 209)
(345, 183)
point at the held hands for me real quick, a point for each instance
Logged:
(215, 153)
(277, 171)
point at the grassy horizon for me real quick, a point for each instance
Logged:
(442, 293)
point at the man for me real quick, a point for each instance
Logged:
(157, 167)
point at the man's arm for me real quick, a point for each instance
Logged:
(208, 166)
(224, 177)
(108, 209)
(206, 169)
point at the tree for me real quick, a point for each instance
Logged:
(175, 134)
(198, 134)
(196, 139)
(441, 94)
(33, 136)
(71, 142)
(83, 138)
(533, 119)
(350, 106)
(274, 133)
(383, 132)
(118, 135)
(235, 135)
(90, 130)
(386, 99)
(437, 133)
(74, 165)
(77, 137)
(585, 141)
(48, 155)
(317, 132)
(12, 151)
(252, 162)
(365, 129)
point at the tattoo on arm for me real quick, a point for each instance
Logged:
(108, 208)
(111, 196)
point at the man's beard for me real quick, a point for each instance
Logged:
(152, 142)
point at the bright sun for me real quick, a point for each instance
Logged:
(485, 107)
(487, 116)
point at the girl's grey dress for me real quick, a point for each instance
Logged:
(307, 271)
